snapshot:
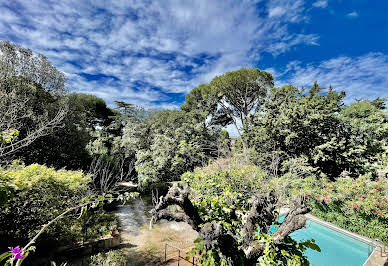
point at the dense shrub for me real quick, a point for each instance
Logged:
(222, 194)
(167, 144)
(110, 258)
(359, 205)
(41, 194)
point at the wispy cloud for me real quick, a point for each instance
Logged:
(360, 77)
(320, 3)
(353, 14)
(153, 50)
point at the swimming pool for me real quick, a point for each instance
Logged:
(336, 248)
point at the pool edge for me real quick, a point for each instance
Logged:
(364, 239)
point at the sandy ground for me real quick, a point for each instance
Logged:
(144, 246)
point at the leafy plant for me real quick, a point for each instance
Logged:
(110, 258)
(359, 205)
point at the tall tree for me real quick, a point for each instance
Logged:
(317, 126)
(169, 143)
(87, 116)
(231, 98)
(365, 132)
(24, 75)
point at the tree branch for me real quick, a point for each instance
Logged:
(236, 251)
(260, 214)
(293, 221)
(179, 196)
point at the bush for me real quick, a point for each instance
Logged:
(41, 193)
(110, 258)
(161, 187)
(221, 194)
(359, 205)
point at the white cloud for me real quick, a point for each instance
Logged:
(170, 45)
(320, 4)
(276, 12)
(353, 14)
(360, 77)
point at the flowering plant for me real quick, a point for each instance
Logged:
(359, 205)
(361, 195)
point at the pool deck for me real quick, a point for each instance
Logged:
(377, 258)
(379, 254)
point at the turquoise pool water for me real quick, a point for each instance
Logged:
(336, 248)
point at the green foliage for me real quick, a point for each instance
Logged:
(31, 95)
(67, 146)
(94, 224)
(206, 257)
(7, 188)
(35, 92)
(224, 144)
(231, 97)
(242, 92)
(317, 127)
(203, 98)
(223, 196)
(366, 129)
(41, 194)
(289, 252)
(110, 258)
(8, 136)
(5, 255)
(167, 144)
(358, 205)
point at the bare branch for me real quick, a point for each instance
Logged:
(106, 175)
(179, 196)
(44, 129)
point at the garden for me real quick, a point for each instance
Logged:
(66, 160)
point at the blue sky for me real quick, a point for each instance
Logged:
(152, 53)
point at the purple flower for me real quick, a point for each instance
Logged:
(16, 253)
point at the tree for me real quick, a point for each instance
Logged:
(205, 100)
(86, 117)
(168, 143)
(16, 61)
(15, 109)
(316, 127)
(224, 144)
(231, 98)
(364, 130)
(22, 74)
(294, 124)
(244, 248)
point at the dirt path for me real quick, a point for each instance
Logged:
(144, 246)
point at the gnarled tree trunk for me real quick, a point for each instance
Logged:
(261, 215)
